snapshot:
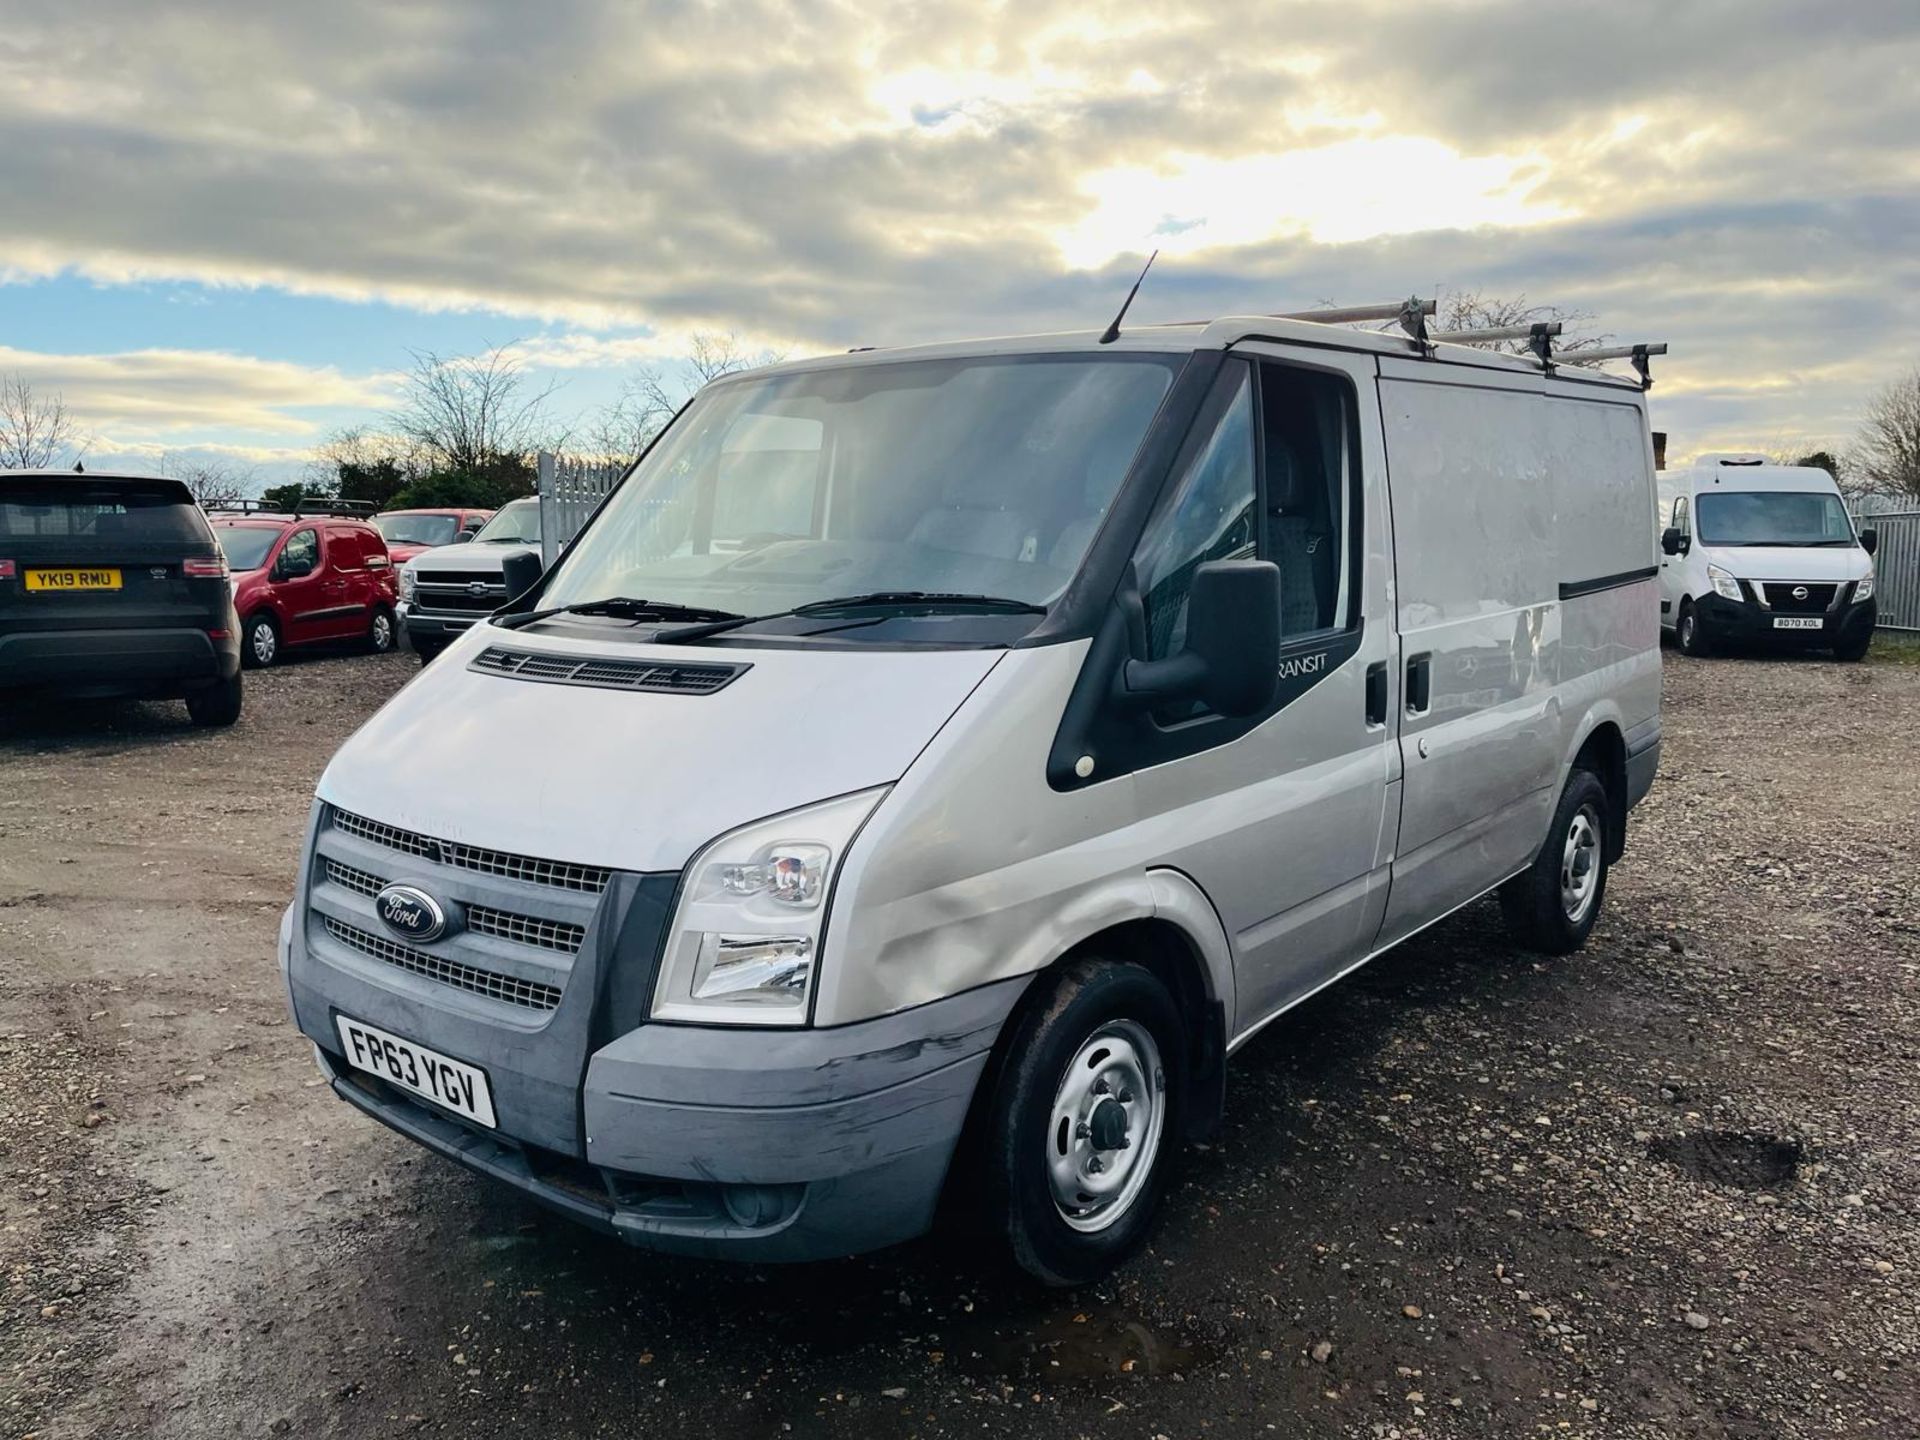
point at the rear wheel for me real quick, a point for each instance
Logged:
(1551, 906)
(381, 633)
(1084, 1121)
(1688, 634)
(219, 705)
(259, 642)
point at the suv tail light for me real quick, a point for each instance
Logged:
(7, 570)
(205, 569)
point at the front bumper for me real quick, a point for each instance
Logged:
(433, 629)
(153, 662)
(1743, 622)
(740, 1144)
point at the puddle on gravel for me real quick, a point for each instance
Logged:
(1738, 1158)
(1074, 1345)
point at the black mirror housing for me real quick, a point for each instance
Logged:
(1232, 657)
(462, 537)
(1870, 539)
(521, 573)
(1672, 542)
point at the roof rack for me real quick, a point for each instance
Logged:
(352, 509)
(1411, 313)
(1636, 353)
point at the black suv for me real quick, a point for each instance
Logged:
(113, 586)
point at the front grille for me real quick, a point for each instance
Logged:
(354, 879)
(671, 678)
(459, 601)
(557, 873)
(510, 989)
(526, 929)
(1780, 596)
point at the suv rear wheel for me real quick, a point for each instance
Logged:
(218, 705)
(1084, 1121)
(259, 642)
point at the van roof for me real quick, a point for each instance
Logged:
(1757, 477)
(1218, 334)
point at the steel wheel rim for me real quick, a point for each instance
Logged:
(1580, 864)
(1114, 1089)
(263, 644)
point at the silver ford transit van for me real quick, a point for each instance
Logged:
(929, 766)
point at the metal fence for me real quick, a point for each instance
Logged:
(569, 490)
(1897, 569)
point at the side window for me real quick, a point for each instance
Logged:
(301, 554)
(1209, 517)
(1307, 495)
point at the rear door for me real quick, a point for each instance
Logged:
(105, 554)
(349, 585)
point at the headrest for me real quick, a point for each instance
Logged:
(1286, 480)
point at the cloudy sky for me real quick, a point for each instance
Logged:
(226, 224)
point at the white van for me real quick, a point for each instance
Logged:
(1754, 553)
(930, 765)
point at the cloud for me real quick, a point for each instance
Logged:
(1735, 176)
(147, 399)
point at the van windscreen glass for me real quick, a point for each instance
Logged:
(246, 546)
(404, 529)
(1771, 517)
(977, 476)
(61, 510)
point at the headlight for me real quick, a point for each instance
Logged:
(1724, 584)
(744, 945)
(407, 582)
(1863, 588)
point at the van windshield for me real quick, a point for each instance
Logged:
(1772, 517)
(973, 476)
(402, 528)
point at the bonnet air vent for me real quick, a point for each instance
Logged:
(650, 676)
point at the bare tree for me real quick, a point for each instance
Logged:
(212, 481)
(1477, 310)
(625, 427)
(1886, 456)
(470, 412)
(35, 430)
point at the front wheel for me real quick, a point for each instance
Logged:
(427, 650)
(1084, 1121)
(1688, 635)
(259, 642)
(1552, 904)
(1854, 647)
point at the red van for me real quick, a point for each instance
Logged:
(306, 578)
(411, 532)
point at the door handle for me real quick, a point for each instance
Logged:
(1419, 683)
(1376, 694)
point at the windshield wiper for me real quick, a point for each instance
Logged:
(930, 602)
(626, 607)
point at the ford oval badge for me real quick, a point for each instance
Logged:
(410, 913)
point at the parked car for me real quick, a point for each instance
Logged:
(314, 576)
(1760, 554)
(414, 532)
(444, 591)
(930, 766)
(113, 585)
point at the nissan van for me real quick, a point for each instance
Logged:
(1763, 555)
(928, 768)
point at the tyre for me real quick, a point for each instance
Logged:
(427, 650)
(259, 642)
(382, 634)
(1687, 633)
(219, 705)
(1084, 1121)
(1854, 648)
(1552, 904)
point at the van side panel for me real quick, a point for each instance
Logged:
(1477, 564)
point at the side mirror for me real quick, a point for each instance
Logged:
(1232, 657)
(464, 537)
(1870, 540)
(1672, 541)
(521, 572)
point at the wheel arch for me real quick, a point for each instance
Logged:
(1603, 750)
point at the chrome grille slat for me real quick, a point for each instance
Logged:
(509, 989)
(559, 874)
(526, 929)
(607, 673)
(354, 879)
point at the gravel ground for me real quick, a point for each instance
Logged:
(1666, 1187)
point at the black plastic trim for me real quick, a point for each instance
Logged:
(1569, 589)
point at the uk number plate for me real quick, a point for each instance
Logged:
(451, 1084)
(1796, 622)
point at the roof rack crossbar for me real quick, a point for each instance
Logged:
(1497, 333)
(1636, 353)
(1412, 314)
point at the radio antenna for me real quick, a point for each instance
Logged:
(1112, 332)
